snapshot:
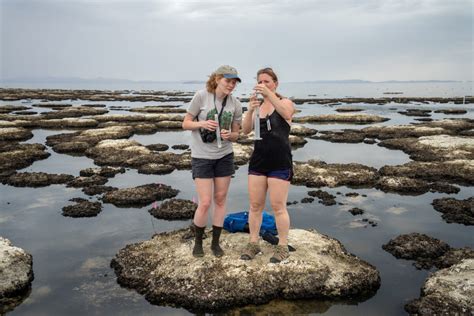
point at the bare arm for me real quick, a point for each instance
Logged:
(284, 107)
(190, 124)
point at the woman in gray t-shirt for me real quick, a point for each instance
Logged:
(213, 159)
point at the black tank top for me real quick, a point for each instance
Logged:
(273, 151)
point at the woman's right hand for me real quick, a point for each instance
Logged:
(253, 103)
(210, 125)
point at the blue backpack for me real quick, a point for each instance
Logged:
(239, 222)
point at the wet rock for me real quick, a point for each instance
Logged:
(424, 119)
(12, 108)
(16, 156)
(76, 111)
(80, 182)
(156, 168)
(36, 179)
(341, 118)
(16, 275)
(434, 148)
(320, 267)
(416, 112)
(98, 189)
(106, 171)
(149, 118)
(356, 211)
(454, 171)
(94, 105)
(82, 208)
(52, 105)
(15, 134)
(370, 141)
(174, 209)
(300, 130)
(66, 123)
(448, 291)
(352, 194)
(344, 136)
(402, 131)
(25, 113)
(456, 211)
(157, 109)
(454, 256)
(158, 147)
(71, 147)
(180, 146)
(297, 141)
(140, 196)
(319, 174)
(169, 125)
(307, 200)
(349, 109)
(420, 247)
(325, 198)
(116, 152)
(410, 186)
(451, 111)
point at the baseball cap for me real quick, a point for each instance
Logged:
(228, 72)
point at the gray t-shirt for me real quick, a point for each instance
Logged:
(202, 107)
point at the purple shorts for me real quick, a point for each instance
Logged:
(283, 174)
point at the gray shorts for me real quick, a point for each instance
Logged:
(213, 168)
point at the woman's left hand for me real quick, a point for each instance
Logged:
(225, 134)
(262, 89)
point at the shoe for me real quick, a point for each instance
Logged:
(250, 251)
(197, 250)
(281, 253)
(216, 234)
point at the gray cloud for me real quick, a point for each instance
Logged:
(176, 40)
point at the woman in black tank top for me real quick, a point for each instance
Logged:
(271, 166)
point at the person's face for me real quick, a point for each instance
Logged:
(267, 81)
(226, 85)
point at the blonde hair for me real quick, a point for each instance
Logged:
(211, 83)
(269, 71)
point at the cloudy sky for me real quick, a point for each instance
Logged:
(187, 39)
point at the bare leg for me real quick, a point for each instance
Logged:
(257, 186)
(221, 187)
(204, 191)
(278, 191)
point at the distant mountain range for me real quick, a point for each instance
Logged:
(112, 80)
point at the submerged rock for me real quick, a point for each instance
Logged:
(180, 146)
(37, 179)
(344, 136)
(456, 211)
(416, 112)
(16, 275)
(140, 196)
(448, 291)
(82, 208)
(156, 168)
(158, 147)
(319, 268)
(356, 211)
(319, 174)
(324, 197)
(349, 109)
(174, 209)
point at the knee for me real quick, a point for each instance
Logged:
(279, 208)
(204, 205)
(219, 199)
(256, 207)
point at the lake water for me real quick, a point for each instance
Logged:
(71, 256)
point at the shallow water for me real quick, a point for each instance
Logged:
(72, 255)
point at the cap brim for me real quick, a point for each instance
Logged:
(230, 76)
